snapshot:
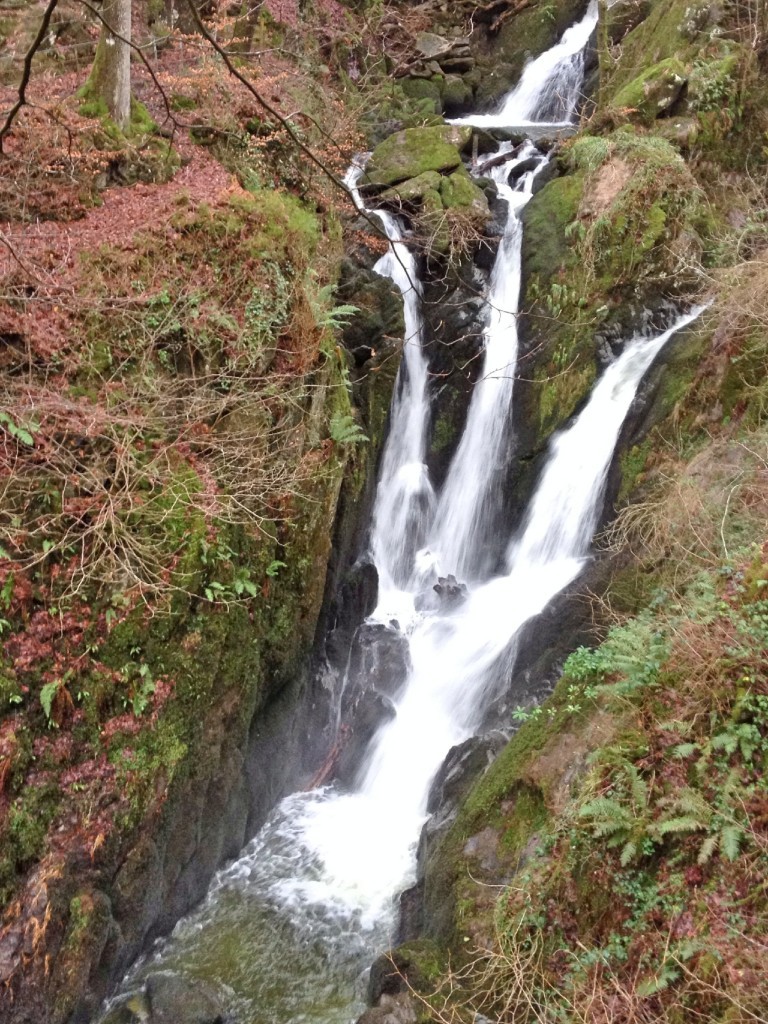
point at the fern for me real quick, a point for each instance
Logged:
(344, 430)
(337, 317)
(707, 849)
(667, 974)
(638, 787)
(683, 750)
(731, 837)
(629, 853)
(682, 824)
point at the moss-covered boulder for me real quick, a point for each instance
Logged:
(423, 88)
(455, 94)
(413, 151)
(655, 91)
(414, 188)
(459, 192)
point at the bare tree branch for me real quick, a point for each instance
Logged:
(25, 75)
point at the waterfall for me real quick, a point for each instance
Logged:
(290, 926)
(461, 520)
(404, 494)
(550, 87)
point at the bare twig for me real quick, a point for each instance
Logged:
(27, 70)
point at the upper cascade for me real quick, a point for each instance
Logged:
(549, 90)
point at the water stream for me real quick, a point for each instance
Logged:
(287, 931)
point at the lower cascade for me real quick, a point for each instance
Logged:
(288, 929)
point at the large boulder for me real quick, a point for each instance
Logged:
(413, 151)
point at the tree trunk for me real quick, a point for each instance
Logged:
(110, 77)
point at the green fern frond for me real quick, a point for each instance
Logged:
(628, 853)
(708, 848)
(344, 430)
(683, 750)
(682, 824)
(731, 837)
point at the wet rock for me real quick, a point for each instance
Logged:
(450, 592)
(496, 161)
(444, 595)
(380, 658)
(369, 712)
(173, 999)
(410, 913)
(530, 164)
(168, 998)
(463, 765)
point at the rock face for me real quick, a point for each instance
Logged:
(378, 667)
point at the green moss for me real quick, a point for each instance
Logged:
(414, 188)
(561, 394)
(444, 433)
(528, 816)
(631, 464)
(654, 90)
(411, 152)
(458, 192)
(422, 88)
(25, 831)
(423, 961)
(546, 218)
(668, 32)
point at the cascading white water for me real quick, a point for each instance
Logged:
(460, 524)
(562, 516)
(404, 494)
(310, 900)
(549, 89)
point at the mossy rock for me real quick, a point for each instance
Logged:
(546, 218)
(508, 809)
(433, 224)
(455, 93)
(413, 151)
(459, 192)
(413, 189)
(625, 15)
(673, 30)
(422, 89)
(655, 91)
